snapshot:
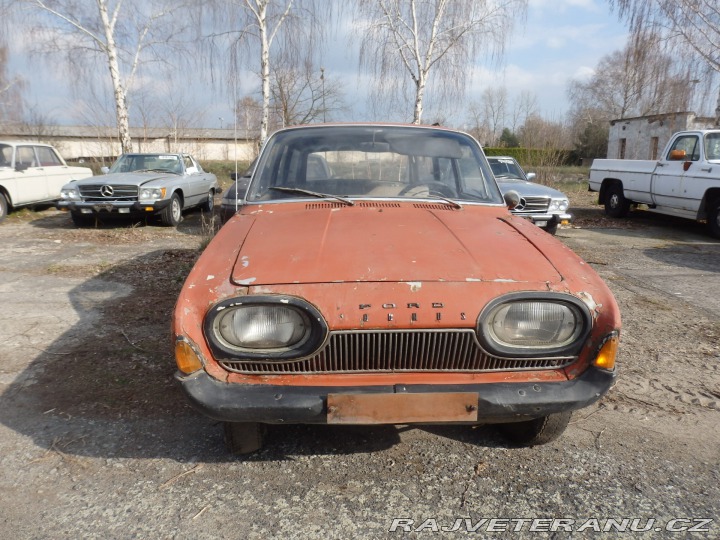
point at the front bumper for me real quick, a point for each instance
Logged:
(121, 207)
(496, 402)
(543, 219)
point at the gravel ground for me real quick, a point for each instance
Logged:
(97, 442)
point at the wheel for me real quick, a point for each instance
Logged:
(713, 218)
(243, 437)
(171, 215)
(538, 431)
(209, 204)
(82, 220)
(551, 227)
(616, 205)
(3, 206)
(428, 188)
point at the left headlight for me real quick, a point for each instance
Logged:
(151, 194)
(526, 324)
(264, 327)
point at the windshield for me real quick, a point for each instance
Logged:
(147, 162)
(506, 168)
(390, 162)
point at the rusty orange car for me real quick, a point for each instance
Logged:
(375, 275)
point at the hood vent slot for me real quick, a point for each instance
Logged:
(361, 204)
(433, 206)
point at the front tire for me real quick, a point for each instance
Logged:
(538, 431)
(209, 205)
(616, 205)
(171, 215)
(713, 219)
(3, 206)
(551, 227)
(243, 437)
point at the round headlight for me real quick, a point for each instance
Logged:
(534, 324)
(262, 327)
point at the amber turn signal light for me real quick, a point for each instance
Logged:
(606, 357)
(186, 358)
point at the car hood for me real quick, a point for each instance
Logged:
(531, 189)
(127, 179)
(324, 243)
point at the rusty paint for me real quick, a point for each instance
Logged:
(402, 408)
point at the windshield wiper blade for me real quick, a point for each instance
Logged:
(452, 203)
(312, 194)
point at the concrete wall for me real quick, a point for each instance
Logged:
(646, 136)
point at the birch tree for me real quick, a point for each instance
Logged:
(692, 25)
(266, 29)
(412, 45)
(11, 87)
(120, 34)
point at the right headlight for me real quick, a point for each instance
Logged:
(534, 324)
(70, 194)
(264, 327)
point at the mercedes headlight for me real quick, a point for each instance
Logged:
(560, 205)
(265, 327)
(70, 194)
(151, 194)
(534, 325)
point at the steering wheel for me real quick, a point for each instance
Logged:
(428, 188)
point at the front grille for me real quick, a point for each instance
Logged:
(392, 351)
(94, 193)
(533, 204)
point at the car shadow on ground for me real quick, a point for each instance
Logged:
(105, 388)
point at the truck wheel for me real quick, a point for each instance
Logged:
(538, 431)
(713, 219)
(82, 220)
(3, 207)
(171, 215)
(616, 205)
(243, 437)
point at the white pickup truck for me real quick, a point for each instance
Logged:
(684, 182)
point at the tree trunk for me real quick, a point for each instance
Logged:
(121, 111)
(419, 94)
(265, 72)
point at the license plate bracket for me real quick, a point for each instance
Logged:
(402, 408)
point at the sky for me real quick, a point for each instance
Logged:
(559, 40)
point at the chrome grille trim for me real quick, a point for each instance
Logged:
(91, 192)
(534, 204)
(391, 351)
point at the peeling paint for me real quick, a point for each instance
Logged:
(210, 276)
(248, 281)
(415, 286)
(245, 261)
(472, 279)
(590, 302)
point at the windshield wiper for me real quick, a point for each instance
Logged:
(157, 170)
(452, 203)
(312, 194)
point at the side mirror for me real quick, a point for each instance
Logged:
(677, 155)
(512, 199)
(104, 170)
(19, 167)
(530, 176)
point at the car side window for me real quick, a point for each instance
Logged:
(48, 157)
(688, 144)
(26, 157)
